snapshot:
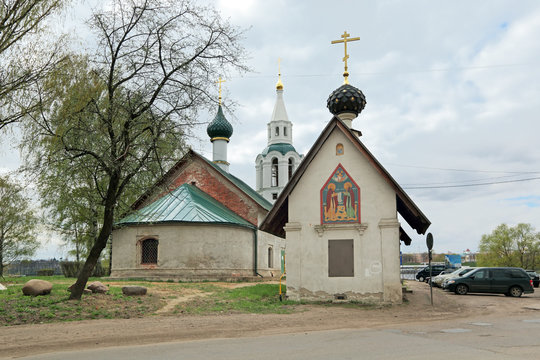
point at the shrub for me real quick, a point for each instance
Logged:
(45, 272)
(72, 269)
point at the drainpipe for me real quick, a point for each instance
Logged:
(256, 253)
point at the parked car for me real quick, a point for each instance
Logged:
(449, 273)
(423, 274)
(498, 280)
(534, 276)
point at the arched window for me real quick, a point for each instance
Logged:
(270, 258)
(291, 167)
(277, 130)
(149, 251)
(269, 133)
(275, 172)
(260, 177)
(284, 131)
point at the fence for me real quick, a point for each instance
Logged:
(31, 267)
(408, 272)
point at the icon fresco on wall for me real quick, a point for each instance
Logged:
(340, 199)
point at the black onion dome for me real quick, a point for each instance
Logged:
(346, 98)
(219, 127)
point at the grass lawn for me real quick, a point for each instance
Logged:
(257, 299)
(188, 298)
(15, 308)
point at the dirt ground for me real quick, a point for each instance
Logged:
(24, 340)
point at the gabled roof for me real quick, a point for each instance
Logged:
(261, 201)
(185, 204)
(278, 216)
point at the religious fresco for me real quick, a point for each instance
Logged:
(340, 199)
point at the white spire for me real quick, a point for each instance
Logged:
(279, 113)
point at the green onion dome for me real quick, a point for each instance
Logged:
(346, 99)
(219, 127)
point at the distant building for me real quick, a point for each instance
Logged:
(468, 256)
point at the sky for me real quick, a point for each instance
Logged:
(452, 101)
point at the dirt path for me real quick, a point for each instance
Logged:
(25, 340)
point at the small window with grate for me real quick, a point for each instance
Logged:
(149, 251)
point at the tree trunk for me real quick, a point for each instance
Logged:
(101, 241)
(110, 258)
(2, 255)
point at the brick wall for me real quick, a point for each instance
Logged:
(214, 184)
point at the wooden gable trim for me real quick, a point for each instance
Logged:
(404, 205)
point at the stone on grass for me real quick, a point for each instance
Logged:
(37, 287)
(85, 291)
(133, 290)
(2, 287)
(98, 287)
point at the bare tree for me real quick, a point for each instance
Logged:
(24, 57)
(124, 111)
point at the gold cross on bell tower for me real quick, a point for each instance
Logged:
(346, 39)
(279, 85)
(220, 81)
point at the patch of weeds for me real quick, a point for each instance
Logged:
(257, 299)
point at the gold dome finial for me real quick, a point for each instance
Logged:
(220, 81)
(346, 38)
(279, 85)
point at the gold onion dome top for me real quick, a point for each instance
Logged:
(279, 85)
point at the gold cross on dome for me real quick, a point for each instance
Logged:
(220, 81)
(345, 39)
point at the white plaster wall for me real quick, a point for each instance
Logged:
(376, 250)
(185, 251)
(265, 241)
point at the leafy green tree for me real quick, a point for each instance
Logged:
(510, 246)
(17, 223)
(25, 54)
(123, 113)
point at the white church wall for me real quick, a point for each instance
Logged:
(269, 268)
(376, 248)
(187, 252)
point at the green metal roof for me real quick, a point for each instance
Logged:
(187, 204)
(242, 185)
(281, 147)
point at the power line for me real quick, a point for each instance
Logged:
(469, 185)
(458, 181)
(449, 69)
(467, 170)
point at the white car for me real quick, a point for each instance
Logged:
(444, 284)
(439, 279)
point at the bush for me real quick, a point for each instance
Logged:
(72, 269)
(45, 272)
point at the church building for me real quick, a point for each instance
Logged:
(198, 222)
(339, 214)
(278, 161)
